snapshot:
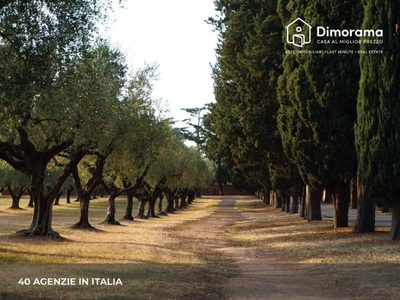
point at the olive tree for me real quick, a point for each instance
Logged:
(46, 107)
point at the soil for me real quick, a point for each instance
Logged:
(252, 272)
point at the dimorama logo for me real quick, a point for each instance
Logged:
(298, 33)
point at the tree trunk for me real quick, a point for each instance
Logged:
(151, 211)
(272, 198)
(170, 202)
(287, 205)
(43, 205)
(365, 221)
(294, 205)
(354, 193)
(84, 193)
(302, 211)
(191, 196)
(395, 228)
(266, 197)
(84, 213)
(221, 189)
(341, 199)
(283, 206)
(176, 202)
(312, 210)
(30, 204)
(68, 195)
(129, 206)
(385, 205)
(57, 201)
(278, 201)
(110, 217)
(328, 196)
(160, 206)
(16, 197)
(182, 201)
(42, 217)
(141, 207)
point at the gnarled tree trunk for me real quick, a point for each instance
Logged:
(43, 204)
(182, 198)
(142, 204)
(129, 206)
(151, 211)
(84, 212)
(85, 193)
(170, 201)
(110, 217)
(16, 197)
(30, 204)
(191, 196)
(160, 206)
(176, 202)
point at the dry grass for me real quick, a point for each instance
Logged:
(137, 241)
(136, 252)
(312, 242)
(154, 260)
(361, 266)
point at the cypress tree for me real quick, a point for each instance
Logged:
(245, 77)
(317, 95)
(378, 108)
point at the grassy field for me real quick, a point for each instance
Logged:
(361, 266)
(137, 253)
(151, 261)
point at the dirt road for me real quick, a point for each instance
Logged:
(253, 272)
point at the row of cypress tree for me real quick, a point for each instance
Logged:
(284, 119)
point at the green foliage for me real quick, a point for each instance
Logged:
(378, 106)
(196, 133)
(47, 85)
(317, 96)
(179, 166)
(142, 132)
(242, 132)
(58, 91)
(12, 178)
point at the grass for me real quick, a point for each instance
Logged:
(314, 242)
(136, 252)
(239, 207)
(153, 262)
(370, 261)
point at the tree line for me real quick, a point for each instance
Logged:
(74, 115)
(291, 125)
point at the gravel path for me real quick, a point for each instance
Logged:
(254, 272)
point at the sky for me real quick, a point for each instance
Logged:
(174, 35)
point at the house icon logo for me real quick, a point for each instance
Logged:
(298, 33)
